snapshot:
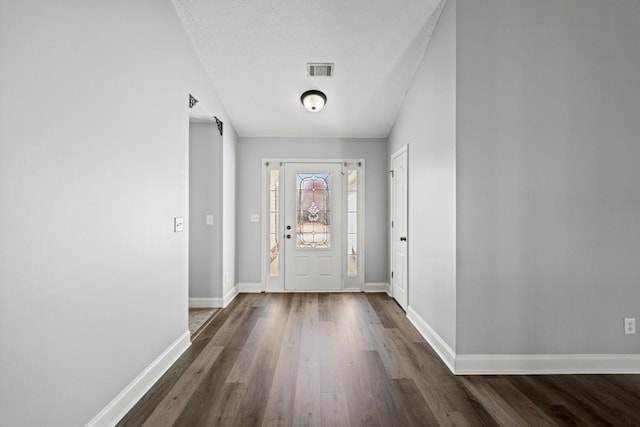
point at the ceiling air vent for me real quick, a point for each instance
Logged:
(324, 69)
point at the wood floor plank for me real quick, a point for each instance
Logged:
(236, 314)
(387, 410)
(324, 307)
(329, 355)
(279, 410)
(410, 401)
(309, 344)
(492, 393)
(627, 384)
(557, 404)
(361, 328)
(622, 409)
(223, 409)
(333, 410)
(612, 395)
(394, 313)
(241, 368)
(174, 403)
(306, 406)
(358, 389)
(386, 348)
(379, 307)
(209, 396)
(234, 333)
(441, 390)
(347, 316)
(262, 371)
(293, 329)
(345, 359)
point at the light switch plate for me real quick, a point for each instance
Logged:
(255, 218)
(210, 219)
(178, 224)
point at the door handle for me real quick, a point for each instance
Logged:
(288, 236)
(403, 239)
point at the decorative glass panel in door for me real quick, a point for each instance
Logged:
(313, 253)
(313, 210)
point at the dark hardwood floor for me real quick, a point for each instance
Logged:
(354, 359)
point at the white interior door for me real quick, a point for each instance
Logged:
(313, 226)
(399, 217)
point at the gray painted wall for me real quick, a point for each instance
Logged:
(427, 123)
(250, 153)
(205, 197)
(93, 168)
(548, 176)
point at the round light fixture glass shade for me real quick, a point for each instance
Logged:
(313, 100)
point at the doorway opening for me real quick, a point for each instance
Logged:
(204, 224)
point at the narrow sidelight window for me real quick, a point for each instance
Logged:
(274, 232)
(352, 222)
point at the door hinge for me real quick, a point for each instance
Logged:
(391, 172)
(391, 224)
(392, 274)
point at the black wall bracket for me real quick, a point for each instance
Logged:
(219, 124)
(192, 101)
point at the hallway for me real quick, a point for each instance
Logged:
(354, 359)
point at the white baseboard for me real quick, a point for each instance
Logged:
(538, 364)
(376, 287)
(438, 344)
(127, 398)
(198, 302)
(205, 302)
(250, 288)
(229, 296)
(524, 364)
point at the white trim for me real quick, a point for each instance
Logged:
(198, 302)
(389, 290)
(276, 289)
(524, 364)
(528, 364)
(205, 302)
(316, 291)
(438, 344)
(229, 296)
(392, 214)
(250, 288)
(127, 398)
(376, 287)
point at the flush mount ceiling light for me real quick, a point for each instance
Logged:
(313, 100)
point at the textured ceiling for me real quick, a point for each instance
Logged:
(256, 52)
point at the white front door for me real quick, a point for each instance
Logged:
(313, 211)
(399, 213)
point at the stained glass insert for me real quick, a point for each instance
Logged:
(313, 210)
(274, 235)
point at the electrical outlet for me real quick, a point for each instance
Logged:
(209, 219)
(178, 224)
(255, 218)
(629, 325)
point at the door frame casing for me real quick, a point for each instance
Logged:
(349, 283)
